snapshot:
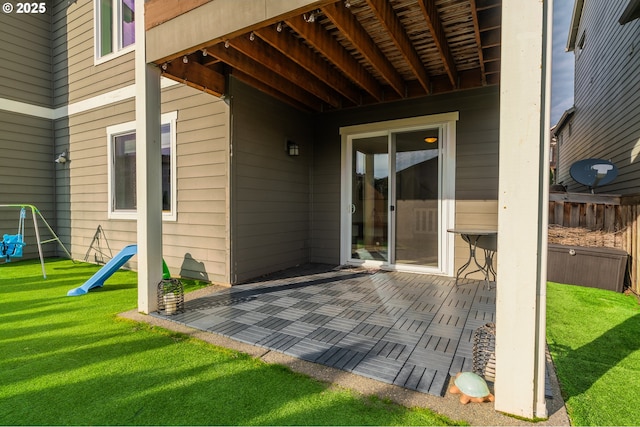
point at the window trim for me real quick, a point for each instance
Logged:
(97, 59)
(128, 127)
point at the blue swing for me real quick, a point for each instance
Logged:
(12, 244)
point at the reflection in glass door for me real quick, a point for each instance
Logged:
(370, 199)
(416, 197)
(398, 194)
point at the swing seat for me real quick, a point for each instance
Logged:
(11, 246)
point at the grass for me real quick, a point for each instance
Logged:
(70, 361)
(594, 338)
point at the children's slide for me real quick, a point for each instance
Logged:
(105, 272)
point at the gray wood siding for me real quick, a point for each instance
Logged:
(270, 190)
(25, 69)
(196, 245)
(607, 83)
(75, 76)
(476, 163)
(27, 175)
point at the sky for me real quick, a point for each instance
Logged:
(561, 61)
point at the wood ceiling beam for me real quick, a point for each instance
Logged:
(271, 91)
(347, 23)
(195, 75)
(430, 12)
(388, 18)
(266, 55)
(298, 52)
(476, 32)
(321, 41)
(259, 72)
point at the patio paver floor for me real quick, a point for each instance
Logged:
(411, 330)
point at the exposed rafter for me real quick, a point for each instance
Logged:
(321, 41)
(391, 22)
(265, 75)
(352, 30)
(334, 54)
(432, 18)
(299, 53)
(195, 75)
(476, 32)
(266, 55)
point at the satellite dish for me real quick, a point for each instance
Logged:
(593, 172)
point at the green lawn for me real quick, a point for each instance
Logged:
(70, 361)
(594, 338)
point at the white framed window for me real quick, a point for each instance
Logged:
(114, 28)
(121, 157)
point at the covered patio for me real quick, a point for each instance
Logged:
(209, 45)
(405, 329)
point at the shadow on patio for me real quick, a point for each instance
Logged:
(410, 330)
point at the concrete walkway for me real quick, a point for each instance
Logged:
(401, 333)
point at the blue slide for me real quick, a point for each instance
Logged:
(105, 272)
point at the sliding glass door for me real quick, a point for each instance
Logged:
(397, 203)
(370, 198)
(416, 197)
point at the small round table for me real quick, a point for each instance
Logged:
(472, 236)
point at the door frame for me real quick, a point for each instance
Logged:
(447, 123)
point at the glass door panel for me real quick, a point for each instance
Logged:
(370, 199)
(417, 190)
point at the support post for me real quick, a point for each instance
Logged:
(148, 170)
(523, 208)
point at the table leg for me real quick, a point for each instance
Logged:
(487, 269)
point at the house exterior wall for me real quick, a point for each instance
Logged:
(76, 75)
(91, 96)
(270, 190)
(476, 163)
(25, 69)
(196, 244)
(27, 176)
(606, 123)
(25, 138)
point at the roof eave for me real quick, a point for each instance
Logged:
(563, 121)
(631, 12)
(575, 23)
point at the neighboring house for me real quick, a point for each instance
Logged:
(604, 122)
(290, 132)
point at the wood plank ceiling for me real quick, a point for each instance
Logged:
(355, 52)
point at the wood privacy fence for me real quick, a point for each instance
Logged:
(608, 213)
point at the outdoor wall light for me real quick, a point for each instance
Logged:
(62, 157)
(293, 149)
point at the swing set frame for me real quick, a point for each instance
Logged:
(35, 212)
